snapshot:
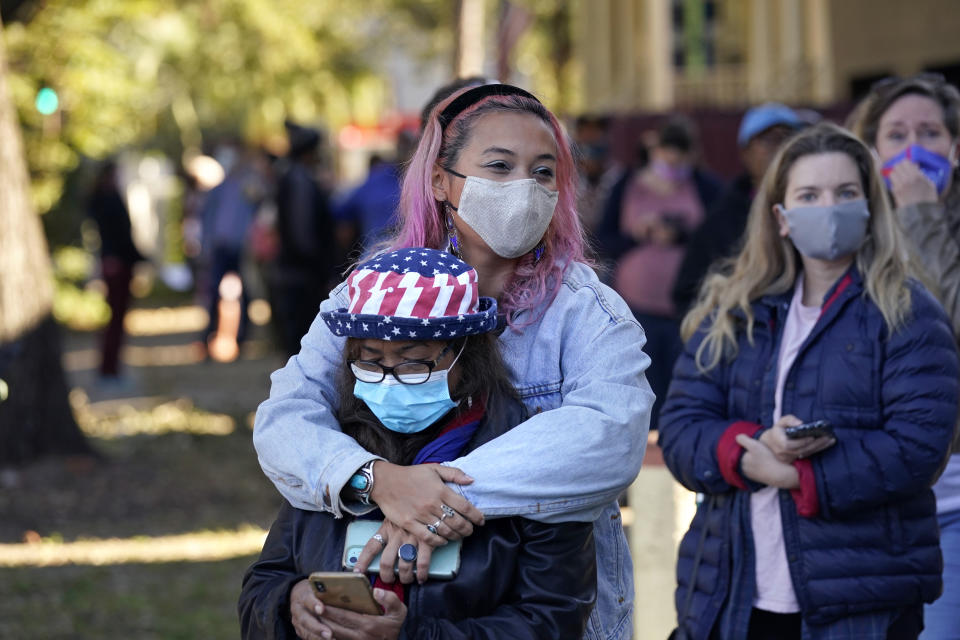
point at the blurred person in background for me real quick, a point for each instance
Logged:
(647, 220)
(118, 255)
(370, 211)
(913, 124)
(597, 174)
(201, 173)
(493, 180)
(415, 397)
(820, 317)
(762, 130)
(227, 215)
(308, 253)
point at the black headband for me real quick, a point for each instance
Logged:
(472, 96)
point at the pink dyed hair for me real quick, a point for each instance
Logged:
(422, 219)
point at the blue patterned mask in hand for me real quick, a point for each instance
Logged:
(933, 165)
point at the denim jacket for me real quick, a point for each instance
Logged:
(579, 369)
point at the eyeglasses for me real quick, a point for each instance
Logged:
(409, 372)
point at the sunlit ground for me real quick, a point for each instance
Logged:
(203, 546)
(167, 321)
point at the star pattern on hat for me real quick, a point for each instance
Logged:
(412, 293)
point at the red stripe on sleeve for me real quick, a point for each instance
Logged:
(808, 504)
(729, 452)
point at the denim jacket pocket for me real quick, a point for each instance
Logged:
(541, 397)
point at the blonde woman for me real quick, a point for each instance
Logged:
(820, 318)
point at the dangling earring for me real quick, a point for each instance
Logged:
(538, 252)
(452, 234)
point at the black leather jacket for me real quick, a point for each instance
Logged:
(518, 578)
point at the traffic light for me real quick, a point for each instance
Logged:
(47, 101)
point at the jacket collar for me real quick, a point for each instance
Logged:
(850, 284)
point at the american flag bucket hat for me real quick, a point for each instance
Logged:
(413, 294)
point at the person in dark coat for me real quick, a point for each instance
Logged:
(422, 381)
(118, 255)
(308, 254)
(820, 317)
(762, 130)
(646, 223)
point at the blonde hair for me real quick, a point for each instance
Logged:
(768, 263)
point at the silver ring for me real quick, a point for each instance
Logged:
(442, 516)
(447, 511)
(432, 528)
(379, 538)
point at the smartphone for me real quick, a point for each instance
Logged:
(345, 590)
(810, 430)
(444, 562)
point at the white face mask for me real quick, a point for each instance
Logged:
(511, 217)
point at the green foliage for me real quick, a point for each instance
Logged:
(167, 72)
(74, 305)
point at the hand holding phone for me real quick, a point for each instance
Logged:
(349, 591)
(813, 429)
(444, 563)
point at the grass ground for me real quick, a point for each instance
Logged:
(150, 541)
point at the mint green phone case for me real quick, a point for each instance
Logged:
(444, 563)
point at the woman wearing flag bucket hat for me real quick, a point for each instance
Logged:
(420, 381)
(492, 180)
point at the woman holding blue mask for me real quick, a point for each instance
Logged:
(422, 381)
(914, 126)
(820, 319)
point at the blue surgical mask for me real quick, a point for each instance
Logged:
(933, 165)
(408, 408)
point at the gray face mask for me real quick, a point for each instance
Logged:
(829, 232)
(511, 217)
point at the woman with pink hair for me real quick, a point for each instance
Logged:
(492, 181)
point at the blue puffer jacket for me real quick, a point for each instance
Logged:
(872, 544)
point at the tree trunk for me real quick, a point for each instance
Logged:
(35, 417)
